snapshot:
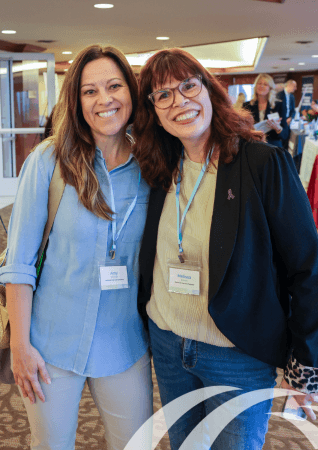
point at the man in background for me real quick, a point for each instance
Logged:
(288, 99)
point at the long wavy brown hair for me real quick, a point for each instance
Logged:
(72, 137)
(157, 151)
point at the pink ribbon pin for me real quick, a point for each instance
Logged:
(230, 196)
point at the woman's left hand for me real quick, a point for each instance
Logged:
(304, 401)
(275, 125)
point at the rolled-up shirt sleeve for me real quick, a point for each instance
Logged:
(28, 218)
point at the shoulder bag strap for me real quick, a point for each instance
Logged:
(56, 190)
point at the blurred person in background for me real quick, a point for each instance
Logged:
(264, 102)
(288, 99)
(241, 98)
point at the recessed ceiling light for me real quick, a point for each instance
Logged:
(8, 32)
(314, 56)
(291, 68)
(304, 42)
(301, 64)
(70, 61)
(103, 5)
(67, 53)
(162, 38)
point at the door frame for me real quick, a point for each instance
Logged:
(8, 186)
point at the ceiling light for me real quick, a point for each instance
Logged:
(66, 53)
(227, 55)
(162, 38)
(8, 32)
(136, 59)
(29, 66)
(65, 70)
(314, 56)
(301, 64)
(291, 68)
(304, 42)
(71, 60)
(103, 5)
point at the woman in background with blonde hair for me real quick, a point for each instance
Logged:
(263, 103)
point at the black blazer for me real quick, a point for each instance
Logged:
(263, 248)
(282, 96)
(272, 137)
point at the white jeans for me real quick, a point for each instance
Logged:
(124, 402)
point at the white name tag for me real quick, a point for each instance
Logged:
(273, 116)
(113, 277)
(184, 281)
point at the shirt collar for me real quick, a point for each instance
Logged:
(99, 156)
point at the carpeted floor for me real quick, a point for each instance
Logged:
(14, 429)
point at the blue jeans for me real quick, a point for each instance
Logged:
(184, 365)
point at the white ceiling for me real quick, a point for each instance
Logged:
(133, 25)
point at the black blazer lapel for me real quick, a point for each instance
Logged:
(149, 241)
(268, 110)
(225, 221)
(256, 112)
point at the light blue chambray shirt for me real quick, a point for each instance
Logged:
(74, 325)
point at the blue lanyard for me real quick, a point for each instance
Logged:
(179, 225)
(129, 211)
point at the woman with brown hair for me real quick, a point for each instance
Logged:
(220, 256)
(263, 103)
(82, 324)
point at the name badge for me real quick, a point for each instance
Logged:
(273, 116)
(185, 280)
(113, 277)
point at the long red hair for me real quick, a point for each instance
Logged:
(157, 151)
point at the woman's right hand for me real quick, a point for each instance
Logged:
(27, 365)
(274, 124)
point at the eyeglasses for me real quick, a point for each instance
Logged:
(164, 98)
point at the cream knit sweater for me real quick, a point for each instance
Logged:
(186, 315)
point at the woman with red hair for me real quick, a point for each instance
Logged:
(220, 257)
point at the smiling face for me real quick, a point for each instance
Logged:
(262, 87)
(189, 119)
(105, 99)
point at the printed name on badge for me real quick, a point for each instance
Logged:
(184, 281)
(113, 277)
